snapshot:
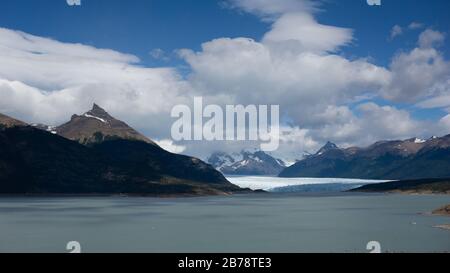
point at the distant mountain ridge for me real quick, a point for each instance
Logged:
(401, 159)
(246, 163)
(105, 157)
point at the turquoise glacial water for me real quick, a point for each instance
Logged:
(242, 223)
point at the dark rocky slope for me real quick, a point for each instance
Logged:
(420, 186)
(35, 161)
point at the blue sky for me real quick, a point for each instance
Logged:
(137, 26)
(331, 85)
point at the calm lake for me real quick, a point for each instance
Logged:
(277, 222)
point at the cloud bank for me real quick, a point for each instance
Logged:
(297, 65)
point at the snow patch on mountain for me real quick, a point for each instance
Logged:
(419, 141)
(94, 117)
(48, 128)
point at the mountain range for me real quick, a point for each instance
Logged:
(393, 160)
(95, 153)
(246, 163)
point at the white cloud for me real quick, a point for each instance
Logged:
(418, 73)
(439, 101)
(294, 141)
(342, 126)
(445, 123)
(44, 80)
(293, 22)
(296, 70)
(296, 65)
(269, 9)
(431, 38)
(32, 46)
(159, 54)
(415, 25)
(169, 145)
(396, 31)
(250, 72)
(371, 123)
(388, 122)
(302, 32)
(291, 66)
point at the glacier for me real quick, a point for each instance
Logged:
(280, 184)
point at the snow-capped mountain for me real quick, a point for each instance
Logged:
(246, 163)
(96, 126)
(413, 158)
(221, 160)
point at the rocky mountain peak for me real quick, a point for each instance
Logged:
(99, 112)
(96, 107)
(96, 126)
(327, 147)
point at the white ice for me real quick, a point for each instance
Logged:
(270, 183)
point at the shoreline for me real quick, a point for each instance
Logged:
(162, 196)
(430, 186)
(442, 211)
(444, 227)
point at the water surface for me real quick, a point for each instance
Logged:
(244, 223)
